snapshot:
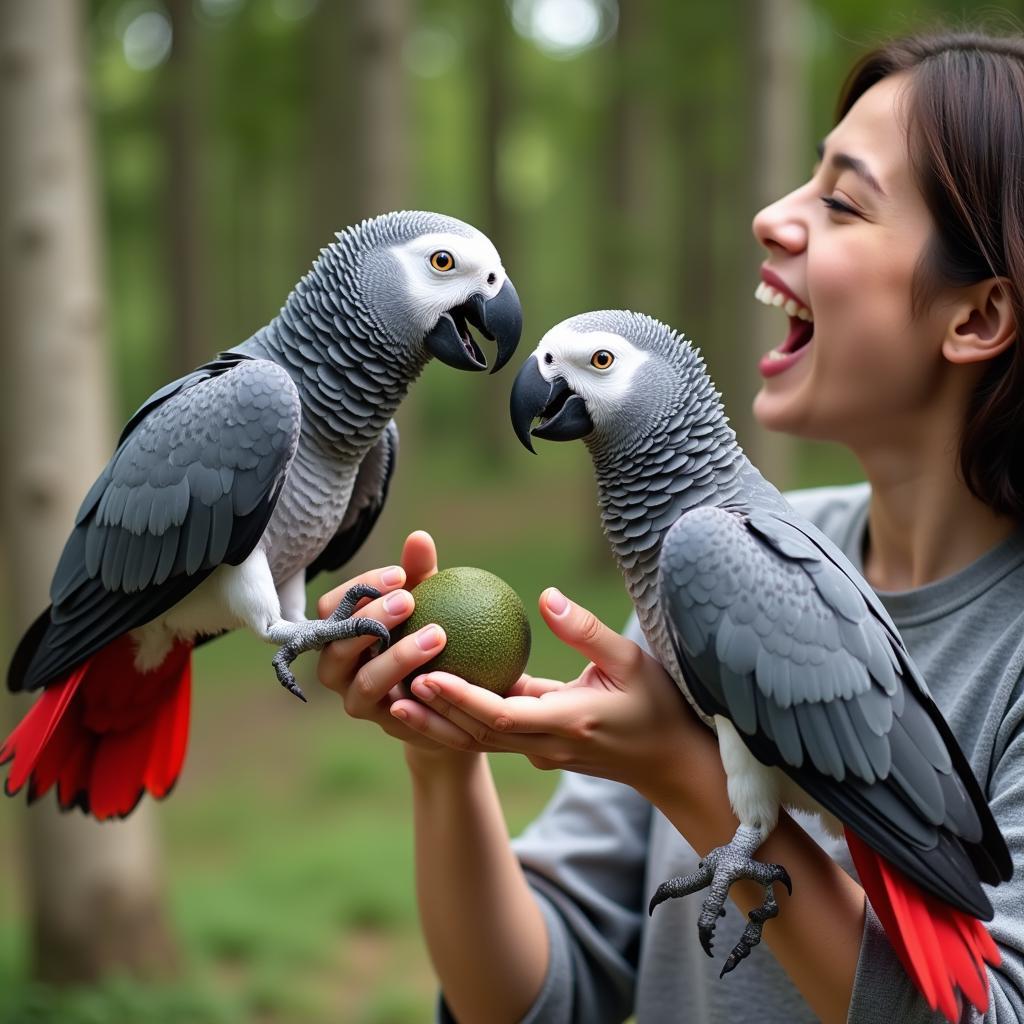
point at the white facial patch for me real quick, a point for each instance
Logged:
(565, 353)
(477, 269)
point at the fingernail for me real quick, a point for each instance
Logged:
(424, 691)
(400, 713)
(389, 577)
(396, 602)
(556, 602)
(428, 637)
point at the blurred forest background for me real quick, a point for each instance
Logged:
(614, 151)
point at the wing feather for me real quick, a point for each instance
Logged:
(180, 496)
(774, 629)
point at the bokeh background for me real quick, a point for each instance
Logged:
(614, 151)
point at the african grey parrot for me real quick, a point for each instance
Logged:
(779, 644)
(229, 489)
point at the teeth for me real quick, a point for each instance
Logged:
(772, 297)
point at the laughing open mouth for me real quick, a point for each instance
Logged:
(801, 328)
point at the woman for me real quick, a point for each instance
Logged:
(906, 247)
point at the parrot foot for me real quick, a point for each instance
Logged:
(717, 872)
(752, 933)
(295, 638)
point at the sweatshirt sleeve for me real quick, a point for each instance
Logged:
(882, 991)
(584, 858)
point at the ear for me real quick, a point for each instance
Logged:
(982, 325)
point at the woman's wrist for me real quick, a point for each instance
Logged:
(681, 762)
(430, 766)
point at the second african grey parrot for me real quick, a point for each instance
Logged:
(228, 490)
(779, 645)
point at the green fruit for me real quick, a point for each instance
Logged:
(488, 633)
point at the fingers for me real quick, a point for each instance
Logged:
(419, 557)
(384, 580)
(429, 725)
(502, 723)
(534, 686)
(339, 660)
(585, 632)
(372, 683)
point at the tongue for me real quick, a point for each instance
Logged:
(800, 332)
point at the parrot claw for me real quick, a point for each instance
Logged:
(717, 872)
(297, 637)
(752, 933)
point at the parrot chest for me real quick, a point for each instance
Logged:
(309, 511)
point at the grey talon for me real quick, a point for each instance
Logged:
(717, 872)
(316, 634)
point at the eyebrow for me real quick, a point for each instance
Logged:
(845, 162)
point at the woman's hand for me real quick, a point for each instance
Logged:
(368, 685)
(623, 718)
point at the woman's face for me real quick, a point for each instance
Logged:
(856, 364)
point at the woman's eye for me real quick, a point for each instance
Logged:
(442, 260)
(838, 206)
(602, 359)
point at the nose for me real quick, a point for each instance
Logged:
(783, 225)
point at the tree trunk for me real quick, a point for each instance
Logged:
(779, 161)
(380, 145)
(330, 126)
(625, 263)
(186, 261)
(94, 892)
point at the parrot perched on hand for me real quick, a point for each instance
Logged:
(229, 489)
(779, 644)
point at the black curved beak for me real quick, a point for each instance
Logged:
(563, 413)
(499, 318)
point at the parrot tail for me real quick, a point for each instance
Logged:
(105, 733)
(943, 949)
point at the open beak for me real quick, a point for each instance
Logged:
(563, 414)
(499, 319)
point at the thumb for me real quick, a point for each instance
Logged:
(419, 557)
(585, 632)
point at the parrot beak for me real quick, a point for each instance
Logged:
(499, 318)
(563, 413)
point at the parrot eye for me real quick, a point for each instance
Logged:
(442, 260)
(602, 359)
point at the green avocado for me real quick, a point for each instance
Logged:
(486, 625)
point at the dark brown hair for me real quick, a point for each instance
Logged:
(965, 123)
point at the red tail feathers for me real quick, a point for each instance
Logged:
(942, 949)
(106, 733)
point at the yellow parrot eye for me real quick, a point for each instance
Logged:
(602, 359)
(442, 260)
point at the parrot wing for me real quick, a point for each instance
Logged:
(775, 630)
(368, 496)
(192, 485)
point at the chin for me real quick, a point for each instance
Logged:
(781, 414)
(774, 412)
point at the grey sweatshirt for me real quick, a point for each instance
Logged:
(598, 850)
